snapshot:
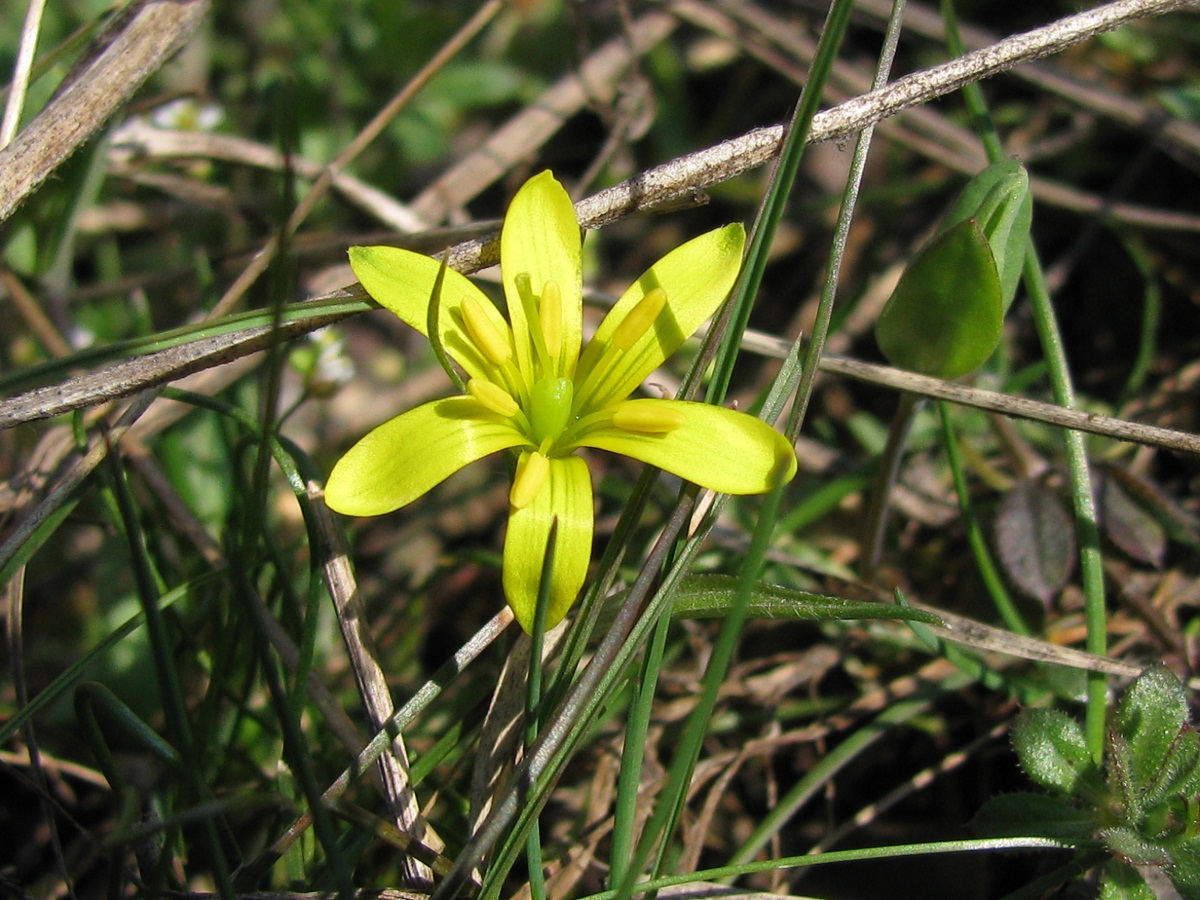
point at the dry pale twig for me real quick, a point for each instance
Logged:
(524, 133)
(142, 39)
(934, 135)
(134, 374)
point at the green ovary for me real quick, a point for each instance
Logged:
(550, 408)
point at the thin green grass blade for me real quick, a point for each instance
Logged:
(168, 678)
(533, 702)
(774, 204)
(629, 780)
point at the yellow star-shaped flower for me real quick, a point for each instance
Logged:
(529, 388)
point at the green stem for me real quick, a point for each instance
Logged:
(1090, 561)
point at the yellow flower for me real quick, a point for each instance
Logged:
(529, 388)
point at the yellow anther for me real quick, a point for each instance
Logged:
(640, 319)
(648, 417)
(483, 332)
(493, 397)
(550, 312)
(532, 471)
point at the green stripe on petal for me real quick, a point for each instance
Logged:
(567, 495)
(541, 242)
(403, 458)
(717, 448)
(402, 282)
(696, 277)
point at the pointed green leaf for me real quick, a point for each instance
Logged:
(567, 496)
(403, 458)
(1185, 870)
(1052, 749)
(712, 596)
(726, 451)
(1026, 814)
(1181, 778)
(998, 199)
(944, 317)
(1134, 848)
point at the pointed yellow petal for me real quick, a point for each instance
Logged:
(696, 277)
(567, 496)
(402, 282)
(540, 242)
(403, 458)
(717, 448)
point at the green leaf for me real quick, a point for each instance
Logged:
(1121, 881)
(1026, 814)
(1185, 871)
(710, 596)
(1134, 848)
(1150, 717)
(1052, 749)
(1181, 778)
(1126, 522)
(944, 317)
(999, 201)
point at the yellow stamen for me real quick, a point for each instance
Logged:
(550, 312)
(532, 471)
(483, 332)
(493, 397)
(648, 418)
(640, 319)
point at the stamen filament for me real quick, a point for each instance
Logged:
(543, 364)
(551, 313)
